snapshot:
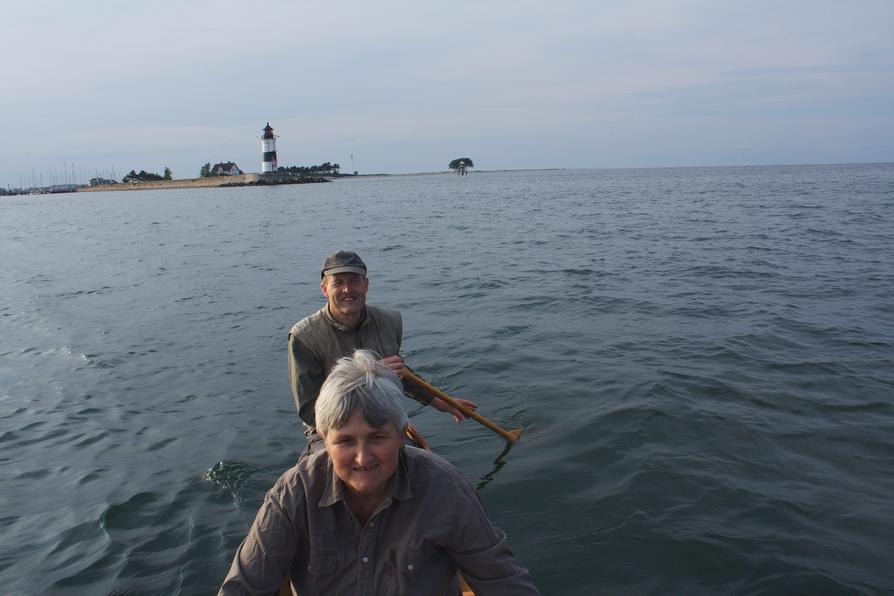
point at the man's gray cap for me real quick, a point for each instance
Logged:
(344, 261)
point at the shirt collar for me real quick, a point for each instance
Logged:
(399, 488)
(325, 312)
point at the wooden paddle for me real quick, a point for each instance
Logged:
(413, 434)
(511, 436)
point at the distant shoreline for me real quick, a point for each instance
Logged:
(209, 182)
(452, 173)
(255, 179)
(265, 180)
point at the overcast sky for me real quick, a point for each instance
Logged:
(93, 85)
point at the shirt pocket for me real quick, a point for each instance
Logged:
(410, 560)
(324, 557)
(323, 563)
(322, 575)
(410, 566)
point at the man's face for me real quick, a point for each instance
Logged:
(364, 457)
(346, 293)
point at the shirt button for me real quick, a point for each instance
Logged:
(365, 559)
(410, 567)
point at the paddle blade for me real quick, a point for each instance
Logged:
(513, 435)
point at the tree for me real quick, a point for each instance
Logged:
(323, 168)
(205, 172)
(460, 164)
(143, 176)
(168, 174)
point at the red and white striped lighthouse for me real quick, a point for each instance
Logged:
(268, 151)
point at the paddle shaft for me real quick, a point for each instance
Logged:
(417, 438)
(509, 436)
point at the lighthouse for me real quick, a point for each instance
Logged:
(268, 151)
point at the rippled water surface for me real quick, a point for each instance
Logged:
(703, 361)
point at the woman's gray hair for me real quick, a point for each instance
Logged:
(360, 384)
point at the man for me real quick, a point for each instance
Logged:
(368, 515)
(344, 324)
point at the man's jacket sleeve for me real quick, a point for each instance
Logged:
(305, 378)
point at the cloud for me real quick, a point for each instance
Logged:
(403, 80)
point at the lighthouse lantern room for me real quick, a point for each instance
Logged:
(268, 151)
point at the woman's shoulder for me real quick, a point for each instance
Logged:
(429, 470)
(307, 477)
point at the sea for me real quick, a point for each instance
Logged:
(702, 360)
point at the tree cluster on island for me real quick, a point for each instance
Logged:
(330, 169)
(144, 176)
(460, 165)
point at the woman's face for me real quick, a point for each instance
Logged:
(364, 457)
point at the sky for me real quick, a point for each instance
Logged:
(100, 86)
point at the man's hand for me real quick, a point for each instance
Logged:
(443, 406)
(395, 363)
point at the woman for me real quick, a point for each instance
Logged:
(368, 515)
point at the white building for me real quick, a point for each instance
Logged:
(226, 169)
